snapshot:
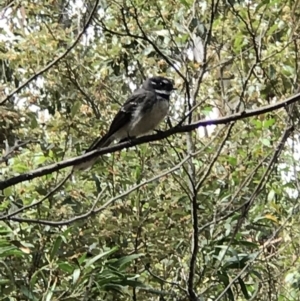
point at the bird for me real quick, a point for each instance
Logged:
(141, 113)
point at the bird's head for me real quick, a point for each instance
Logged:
(161, 85)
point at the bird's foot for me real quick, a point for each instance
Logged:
(127, 139)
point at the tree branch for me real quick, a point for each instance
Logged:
(94, 210)
(51, 192)
(15, 147)
(159, 136)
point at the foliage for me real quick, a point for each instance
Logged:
(210, 214)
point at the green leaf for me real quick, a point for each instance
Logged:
(28, 293)
(20, 167)
(185, 3)
(75, 108)
(268, 123)
(99, 256)
(82, 258)
(243, 288)
(258, 124)
(238, 262)
(232, 161)
(121, 263)
(55, 247)
(7, 192)
(266, 142)
(66, 267)
(223, 277)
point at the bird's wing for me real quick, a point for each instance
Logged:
(122, 117)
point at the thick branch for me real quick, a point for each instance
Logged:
(159, 136)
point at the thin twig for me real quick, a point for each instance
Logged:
(104, 206)
(214, 159)
(56, 188)
(12, 149)
(163, 280)
(275, 233)
(264, 179)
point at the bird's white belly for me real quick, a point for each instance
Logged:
(149, 120)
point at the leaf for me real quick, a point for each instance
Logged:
(28, 293)
(271, 217)
(271, 195)
(232, 161)
(243, 288)
(8, 272)
(82, 258)
(66, 267)
(76, 275)
(261, 4)
(20, 167)
(198, 49)
(55, 247)
(257, 123)
(185, 3)
(120, 263)
(238, 262)
(288, 70)
(131, 283)
(7, 191)
(223, 277)
(99, 256)
(268, 123)
(7, 251)
(147, 50)
(75, 108)
(20, 246)
(50, 292)
(37, 276)
(266, 142)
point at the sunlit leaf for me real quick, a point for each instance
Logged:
(100, 256)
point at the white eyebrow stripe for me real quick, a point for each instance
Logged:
(165, 81)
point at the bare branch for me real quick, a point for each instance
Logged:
(11, 150)
(159, 136)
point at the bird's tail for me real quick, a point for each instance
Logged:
(97, 144)
(104, 141)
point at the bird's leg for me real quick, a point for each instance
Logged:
(127, 139)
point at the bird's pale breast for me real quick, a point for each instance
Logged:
(150, 119)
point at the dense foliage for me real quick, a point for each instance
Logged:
(205, 214)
